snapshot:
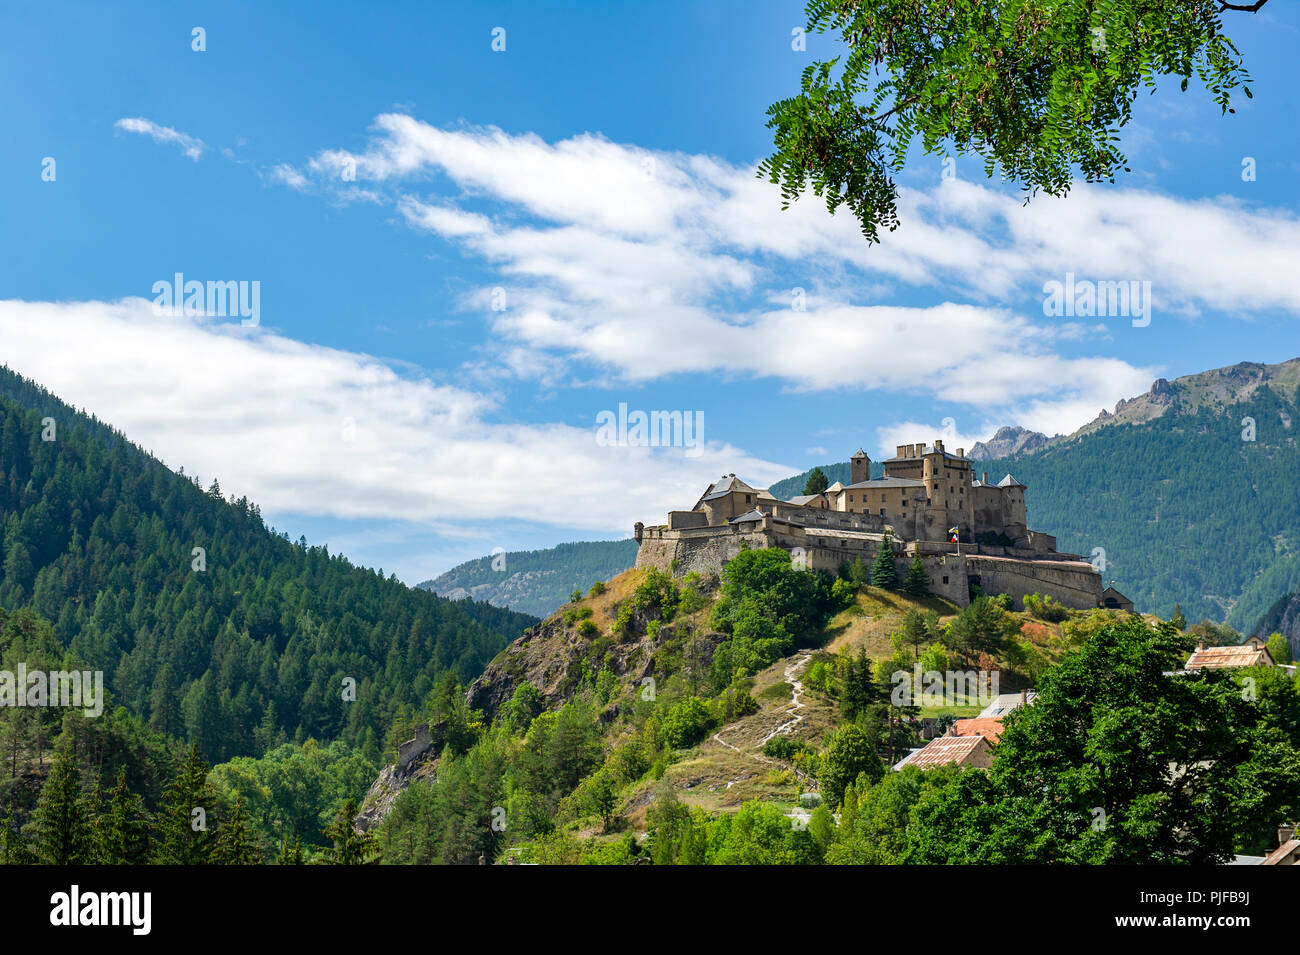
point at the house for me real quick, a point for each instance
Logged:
(1288, 848)
(962, 750)
(1224, 658)
(1256, 641)
(988, 727)
(1004, 703)
(1286, 853)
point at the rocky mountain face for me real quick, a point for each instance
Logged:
(1283, 618)
(1007, 441)
(1214, 390)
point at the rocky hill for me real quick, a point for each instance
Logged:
(1008, 441)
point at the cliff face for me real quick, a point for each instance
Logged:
(1008, 441)
(1283, 618)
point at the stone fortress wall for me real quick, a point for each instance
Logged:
(821, 532)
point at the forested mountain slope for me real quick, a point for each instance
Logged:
(203, 619)
(535, 581)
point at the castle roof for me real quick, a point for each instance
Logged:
(837, 486)
(803, 499)
(859, 454)
(754, 515)
(727, 484)
(1010, 481)
(884, 482)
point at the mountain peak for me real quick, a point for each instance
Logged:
(1007, 441)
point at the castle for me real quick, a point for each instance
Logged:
(969, 532)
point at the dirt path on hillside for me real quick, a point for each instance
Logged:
(796, 696)
(795, 666)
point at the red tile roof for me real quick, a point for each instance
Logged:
(989, 728)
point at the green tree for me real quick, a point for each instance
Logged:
(1036, 89)
(816, 482)
(350, 846)
(13, 847)
(1118, 762)
(916, 583)
(849, 753)
(981, 627)
(182, 835)
(1279, 648)
(61, 824)
(122, 830)
(883, 572)
(236, 842)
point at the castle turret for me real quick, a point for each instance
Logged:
(859, 467)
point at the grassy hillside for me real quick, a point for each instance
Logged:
(535, 581)
(617, 703)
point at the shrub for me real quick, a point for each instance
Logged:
(1046, 608)
(686, 723)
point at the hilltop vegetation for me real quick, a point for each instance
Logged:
(721, 720)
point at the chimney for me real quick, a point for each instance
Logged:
(1024, 697)
(911, 450)
(985, 478)
(961, 452)
(1285, 833)
(900, 451)
(938, 444)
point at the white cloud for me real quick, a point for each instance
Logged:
(286, 174)
(304, 429)
(610, 251)
(187, 144)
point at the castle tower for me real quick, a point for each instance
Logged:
(859, 467)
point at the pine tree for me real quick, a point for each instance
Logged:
(1178, 619)
(13, 847)
(859, 688)
(859, 573)
(182, 836)
(62, 827)
(236, 844)
(290, 853)
(122, 833)
(883, 573)
(350, 846)
(816, 482)
(917, 581)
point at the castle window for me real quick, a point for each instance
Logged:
(746, 498)
(882, 512)
(945, 580)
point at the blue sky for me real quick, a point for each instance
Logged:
(380, 170)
